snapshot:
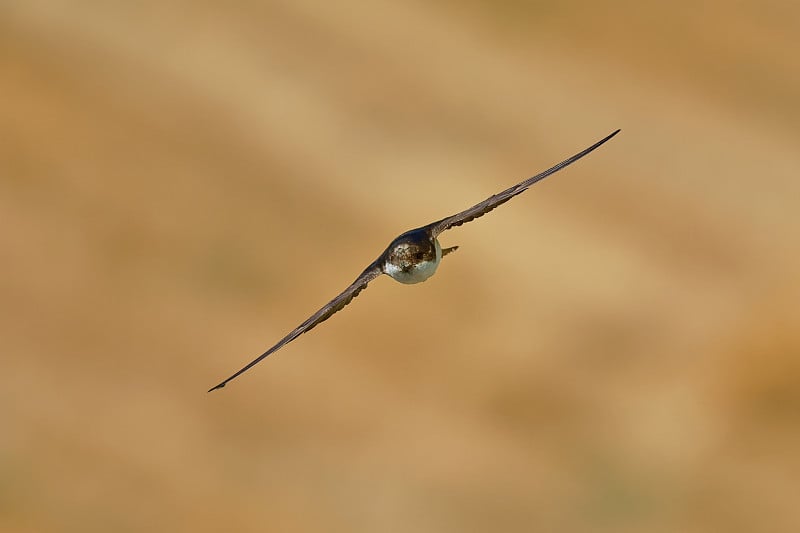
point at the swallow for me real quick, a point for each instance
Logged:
(412, 257)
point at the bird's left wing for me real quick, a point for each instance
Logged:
(337, 304)
(478, 210)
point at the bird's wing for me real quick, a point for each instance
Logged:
(337, 304)
(493, 201)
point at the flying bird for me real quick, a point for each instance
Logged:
(412, 257)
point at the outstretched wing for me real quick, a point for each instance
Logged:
(493, 201)
(337, 304)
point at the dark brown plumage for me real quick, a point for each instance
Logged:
(413, 256)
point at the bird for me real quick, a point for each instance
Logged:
(412, 257)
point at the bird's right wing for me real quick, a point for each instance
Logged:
(337, 304)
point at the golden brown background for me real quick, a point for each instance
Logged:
(184, 182)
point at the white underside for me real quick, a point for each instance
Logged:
(418, 273)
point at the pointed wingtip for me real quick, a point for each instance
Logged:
(601, 142)
(212, 389)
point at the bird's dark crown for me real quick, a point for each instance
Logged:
(411, 248)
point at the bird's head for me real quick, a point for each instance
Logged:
(413, 257)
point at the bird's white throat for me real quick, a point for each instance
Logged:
(418, 272)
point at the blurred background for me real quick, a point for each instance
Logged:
(183, 183)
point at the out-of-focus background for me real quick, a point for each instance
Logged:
(182, 183)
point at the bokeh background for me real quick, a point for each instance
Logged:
(182, 183)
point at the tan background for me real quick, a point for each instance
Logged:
(615, 350)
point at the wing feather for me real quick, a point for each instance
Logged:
(328, 310)
(478, 210)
